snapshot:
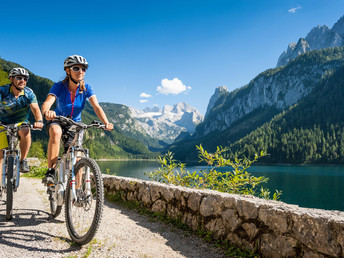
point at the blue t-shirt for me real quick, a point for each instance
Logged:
(15, 110)
(68, 105)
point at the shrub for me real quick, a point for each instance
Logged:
(236, 180)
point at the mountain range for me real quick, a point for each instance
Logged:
(245, 120)
(318, 38)
(168, 123)
(293, 111)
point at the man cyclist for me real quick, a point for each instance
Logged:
(16, 100)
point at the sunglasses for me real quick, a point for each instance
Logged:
(77, 69)
(19, 78)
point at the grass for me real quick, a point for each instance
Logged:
(37, 172)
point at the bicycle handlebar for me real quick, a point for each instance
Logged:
(79, 124)
(18, 126)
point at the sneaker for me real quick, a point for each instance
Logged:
(24, 167)
(49, 176)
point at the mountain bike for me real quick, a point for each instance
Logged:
(11, 166)
(78, 184)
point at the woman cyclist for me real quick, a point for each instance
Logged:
(71, 95)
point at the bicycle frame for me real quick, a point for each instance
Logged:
(67, 162)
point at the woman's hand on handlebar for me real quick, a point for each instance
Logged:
(49, 115)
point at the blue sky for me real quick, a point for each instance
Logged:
(145, 53)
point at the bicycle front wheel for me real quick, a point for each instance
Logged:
(84, 210)
(9, 187)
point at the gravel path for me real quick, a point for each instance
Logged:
(123, 232)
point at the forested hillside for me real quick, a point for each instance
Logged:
(101, 144)
(311, 131)
(307, 132)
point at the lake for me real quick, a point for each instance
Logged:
(307, 186)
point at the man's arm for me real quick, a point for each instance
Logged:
(37, 114)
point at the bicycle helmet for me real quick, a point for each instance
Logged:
(18, 71)
(75, 60)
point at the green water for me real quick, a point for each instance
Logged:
(307, 186)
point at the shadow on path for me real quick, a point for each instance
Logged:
(186, 244)
(20, 232)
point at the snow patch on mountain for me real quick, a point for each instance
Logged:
(168, 123)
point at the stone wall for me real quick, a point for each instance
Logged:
(275, 229)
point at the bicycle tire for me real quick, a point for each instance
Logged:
(83, 216)
(9, 188)
(55, 209)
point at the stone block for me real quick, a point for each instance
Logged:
(216, 227)
(278, 246)
(123, 184)
(167, 193)
(275, 219)
(251, 230)
(247, 209)
(194, 201)
(159, 206)
(173, 212)
(131, 196)
(231, 220)
(155, 192)
(144, 195)
(210, 206)
(315, 232)
(132, 186)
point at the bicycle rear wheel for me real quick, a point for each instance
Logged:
(9, 188)
(83, 214)
(55, 209)
(52, 191)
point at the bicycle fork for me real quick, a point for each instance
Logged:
(73, 185)
(16, 173)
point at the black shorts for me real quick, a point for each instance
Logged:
(67, 135)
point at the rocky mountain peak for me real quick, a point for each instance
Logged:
(294, 49)
(219, 91)
(322, 37)
(318, 38)
(338, 27)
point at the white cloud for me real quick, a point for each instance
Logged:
(174, 86)
(145, 95)
(293, 10)
(143, 100)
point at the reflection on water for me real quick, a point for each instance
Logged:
(128, 168)
(307, 186)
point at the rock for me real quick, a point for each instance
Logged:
(231, 220)
(194, 201)
(159, 206)
(251, 230)
(278, 246)
(274, 218)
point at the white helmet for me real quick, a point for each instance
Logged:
(75, 60)
(18, 71)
